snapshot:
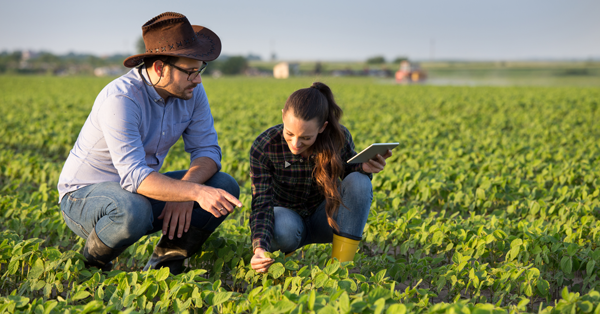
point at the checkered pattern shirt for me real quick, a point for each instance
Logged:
(280, 178)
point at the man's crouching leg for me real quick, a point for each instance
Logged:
(99, 255)
(172, 253)
(110, 218)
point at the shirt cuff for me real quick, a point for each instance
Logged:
(260, 243)
(214, 156)
(140, 175)
(370, 175)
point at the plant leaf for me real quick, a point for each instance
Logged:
(221, 297)
(543, 287)
(80, 295)
(566, 264)
(590, 267)
(276, 270)
(162, 274)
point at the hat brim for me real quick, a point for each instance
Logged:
(208, 48)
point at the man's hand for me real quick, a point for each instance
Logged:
(176, 215)
(217, 201)
(376, 164)
(259, 262)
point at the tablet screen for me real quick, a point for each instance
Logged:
(371, 151)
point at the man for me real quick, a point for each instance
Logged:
(110, 190)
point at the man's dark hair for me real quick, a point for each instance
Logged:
(149, 61)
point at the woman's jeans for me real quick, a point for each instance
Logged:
(121, 218)
(291, 231)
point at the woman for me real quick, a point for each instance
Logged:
(296, 168)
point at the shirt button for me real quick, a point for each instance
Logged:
(301, 160)
(163, 133)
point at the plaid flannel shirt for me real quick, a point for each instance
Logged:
(280, 178)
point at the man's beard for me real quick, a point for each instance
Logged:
(181, 94)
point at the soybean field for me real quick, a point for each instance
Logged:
(490, 204)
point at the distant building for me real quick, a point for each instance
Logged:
(110, 71)
(256, 72)
(26, 56)
(283, 70)
(216, 74)
(345, 72)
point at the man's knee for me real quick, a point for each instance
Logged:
(224, 181)
(138, 213)
(129, 220)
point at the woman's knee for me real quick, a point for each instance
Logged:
(287, 230)
(357, 183)
(286, 240)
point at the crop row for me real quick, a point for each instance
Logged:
(490, 203)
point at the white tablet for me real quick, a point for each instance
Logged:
(371, 151)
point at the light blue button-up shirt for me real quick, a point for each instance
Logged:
(130, 131)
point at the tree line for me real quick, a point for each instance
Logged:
(46, 63)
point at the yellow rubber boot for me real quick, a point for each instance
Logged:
(343, 248)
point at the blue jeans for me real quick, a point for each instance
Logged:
(291, 231)
(121, 218)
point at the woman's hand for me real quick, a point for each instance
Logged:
(259, 262)
(376, 164)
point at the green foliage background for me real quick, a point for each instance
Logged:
(489, 204)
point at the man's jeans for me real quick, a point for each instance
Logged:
(121, 218)
(291, 231)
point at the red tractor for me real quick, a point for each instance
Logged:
(410, 73)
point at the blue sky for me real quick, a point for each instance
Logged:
(320, 30)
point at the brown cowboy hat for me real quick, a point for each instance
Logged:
(171, 34)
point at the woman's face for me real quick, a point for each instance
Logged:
(300, 134)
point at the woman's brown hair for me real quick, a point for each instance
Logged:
(317, 102)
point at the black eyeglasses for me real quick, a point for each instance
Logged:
(192, 75)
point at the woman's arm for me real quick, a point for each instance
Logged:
(262, 215)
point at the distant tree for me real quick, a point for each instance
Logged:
(47, 57)
(15, 56)
(252, 57)
(376, 60)
(95, 61)
(140, 47)
(318, 68)
(400, 59)
(9, 60)
(44, 62)
(234, 65)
